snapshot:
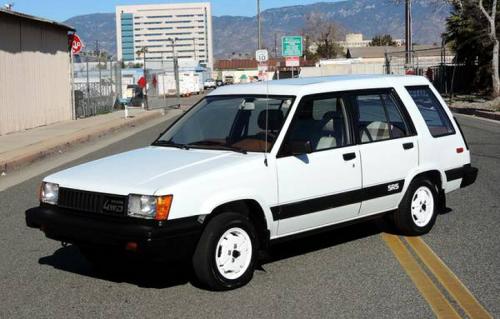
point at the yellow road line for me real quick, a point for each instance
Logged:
(440, 306)
(448, 279)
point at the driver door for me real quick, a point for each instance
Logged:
(318, 187)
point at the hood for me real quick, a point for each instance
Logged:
(144, 170)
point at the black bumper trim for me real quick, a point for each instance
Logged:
(173, 238)
(467, 173)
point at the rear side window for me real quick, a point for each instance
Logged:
(320, 121)
(432, 111)
(378, 118)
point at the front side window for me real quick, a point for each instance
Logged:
(321, 122)
(435, 117)
(244, 123)
(378, 118)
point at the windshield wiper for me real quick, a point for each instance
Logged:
(170, 144)
(215, 145)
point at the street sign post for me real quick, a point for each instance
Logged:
(291, 46)
(261, 56)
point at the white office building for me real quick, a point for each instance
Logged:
(164, 29)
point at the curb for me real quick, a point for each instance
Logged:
(492, 115)
(21, 158)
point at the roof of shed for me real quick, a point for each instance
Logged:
(37, 19)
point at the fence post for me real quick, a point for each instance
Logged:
(387, 63)
(88, 87)
(177, 84)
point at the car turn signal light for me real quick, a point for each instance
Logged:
(163, 204)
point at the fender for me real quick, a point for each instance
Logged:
(221, 198)
(422, 169)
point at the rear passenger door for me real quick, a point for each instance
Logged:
(388, 147)
(319, 188)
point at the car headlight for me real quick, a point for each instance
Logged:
(149, 207)
(49, 193)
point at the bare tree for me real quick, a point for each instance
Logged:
(324, 33)
(495, 77)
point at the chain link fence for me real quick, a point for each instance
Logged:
(101, 87)
(96, 86)
(437, 64)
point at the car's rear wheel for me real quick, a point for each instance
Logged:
(225, 256)
(418, 210)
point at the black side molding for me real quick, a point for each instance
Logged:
(317, 204)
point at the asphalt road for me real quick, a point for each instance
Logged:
(348, 273)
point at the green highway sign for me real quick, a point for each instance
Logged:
(291, 46)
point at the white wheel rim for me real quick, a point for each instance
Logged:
(233, 253)
(422, 206)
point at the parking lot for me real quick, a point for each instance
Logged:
(354, 272)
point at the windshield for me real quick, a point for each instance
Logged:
(230, 123)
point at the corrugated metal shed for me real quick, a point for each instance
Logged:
(35, 86)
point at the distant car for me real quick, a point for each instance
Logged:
(229, 80)
(134, 95)
(253, 165)
(209, 84)
(219, 83)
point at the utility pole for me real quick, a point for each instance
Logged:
(143, 51)
(176, 70)
(408, 33)
(194, 49)
(275, 45)
(259, 28)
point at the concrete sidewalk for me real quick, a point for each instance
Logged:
(22, 148)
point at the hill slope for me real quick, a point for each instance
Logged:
(237, 34)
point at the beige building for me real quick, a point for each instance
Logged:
(35, 85)
(183, 28)
(355, 40)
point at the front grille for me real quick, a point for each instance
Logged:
(92, 202)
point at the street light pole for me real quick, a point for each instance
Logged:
(259, 27)
(408, 32)
(176, 70)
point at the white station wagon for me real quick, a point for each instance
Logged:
(251, 165)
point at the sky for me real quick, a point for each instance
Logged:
(61, 10)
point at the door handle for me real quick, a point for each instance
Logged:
(408, 146)
(349, 156)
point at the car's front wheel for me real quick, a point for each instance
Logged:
(418, 209)
(225, 256)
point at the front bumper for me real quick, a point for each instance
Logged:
(172, 239)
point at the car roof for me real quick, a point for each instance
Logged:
(312, 85)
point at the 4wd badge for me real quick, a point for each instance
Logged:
(113, 205)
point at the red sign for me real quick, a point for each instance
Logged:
(292, 61)
(142, 82)
(76, 43)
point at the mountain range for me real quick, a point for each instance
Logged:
(236, 34)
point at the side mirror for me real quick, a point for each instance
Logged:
(300, 147)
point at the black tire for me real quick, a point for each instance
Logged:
(403, 219)
(204, 257)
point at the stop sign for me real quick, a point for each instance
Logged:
(76, 44)
(142, 82)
